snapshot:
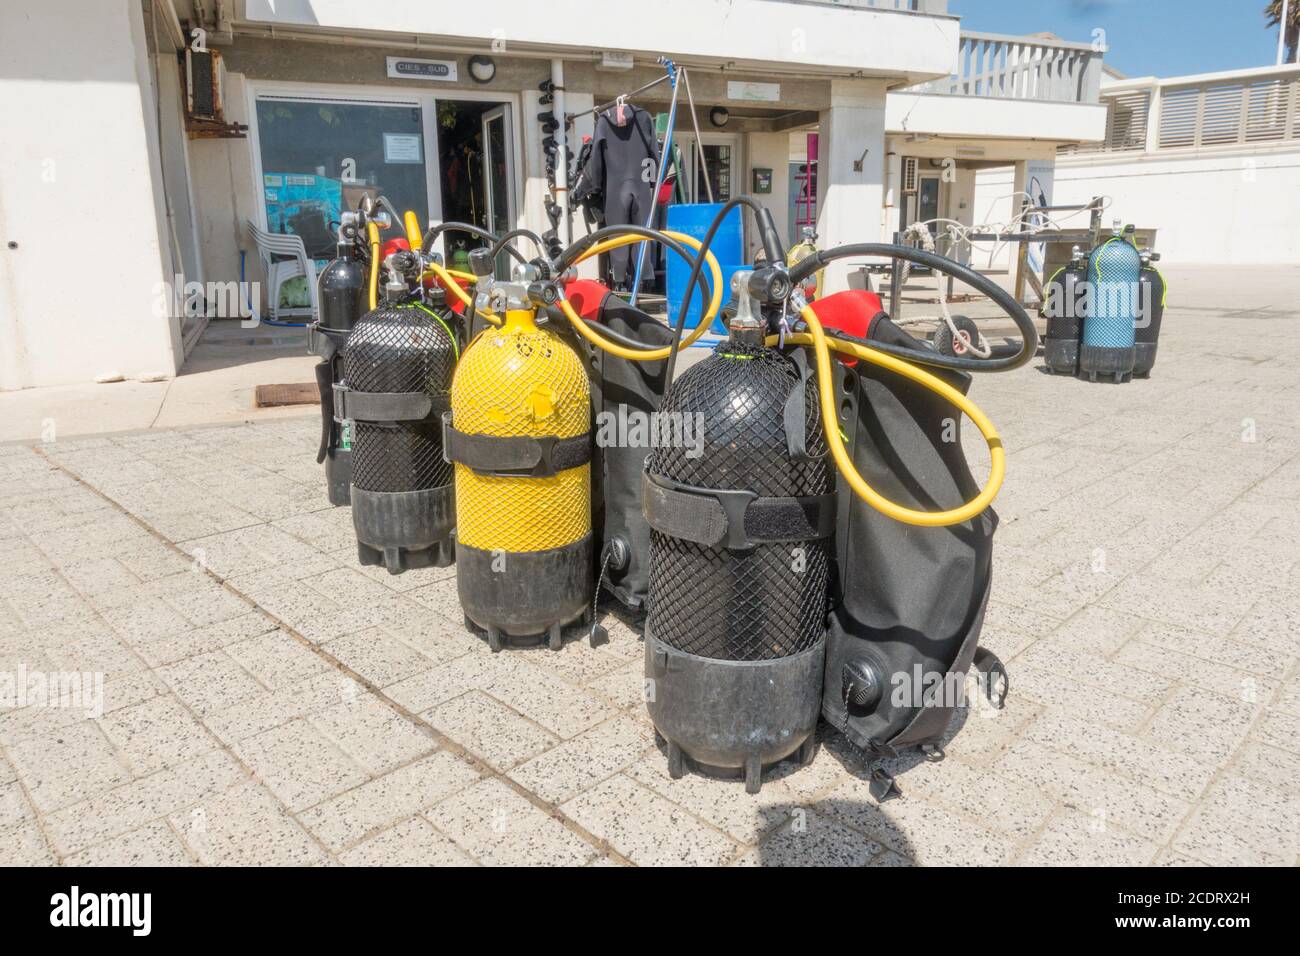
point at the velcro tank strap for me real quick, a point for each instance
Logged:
(385, 406)
(516, 455)
(739, 520)
(326, 342)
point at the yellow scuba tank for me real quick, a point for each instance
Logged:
(805, 247)
(519, 434)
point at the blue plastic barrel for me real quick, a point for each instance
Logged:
(694, 219)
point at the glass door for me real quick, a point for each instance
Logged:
(716, 171)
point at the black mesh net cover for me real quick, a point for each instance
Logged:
(399, 349)
(758, 604)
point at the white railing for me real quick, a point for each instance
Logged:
(1237, 108)
(1022, 68)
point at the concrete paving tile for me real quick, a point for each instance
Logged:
(209, 682)
(126, 688)
(434, 636)
(154, 844)
(267, 709)
(1001, 803)
(135, 804)
(1063, 691)
(299, 764)
(645, 828)
(412, 842)
(1167, 770)
(478, 671)
(378, 657)
(147, 619)
(1269, 766)
(1207, 675)
(440, 597)
(1241, 823)
(68, 765)
(812, 839)
(357, 814)
(1202, 725)
(95, 575)
(915, 828)
(1096, 792)
(1096, 630)
(204, 640)
(1094, 671)
(24, 845)
(572, 766)
(1280, 730)
(557, 705)
(278, 659)
(156, 734)
(1215, 648)
(14, 806)
(243, 827)
(499, 827)
(724, 804)
(624, 687)
(373, 734)
(1072, 838)
(490, 729)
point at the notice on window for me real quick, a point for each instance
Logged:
(402, 148)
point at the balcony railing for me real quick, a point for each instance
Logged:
(1022, 68)
(1239, 108)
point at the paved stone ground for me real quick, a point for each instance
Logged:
(267, 700)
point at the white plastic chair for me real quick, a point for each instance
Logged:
(284, 257)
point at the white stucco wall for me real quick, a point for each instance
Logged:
(80, 195)
(1237, 208)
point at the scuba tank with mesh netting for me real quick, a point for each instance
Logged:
(519, 433)
(739, 559)
(1106, 346)
(397, 373)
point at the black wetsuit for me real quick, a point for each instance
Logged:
(622, 166)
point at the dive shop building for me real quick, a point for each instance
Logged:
(191, 130)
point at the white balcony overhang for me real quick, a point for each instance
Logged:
(805, 37)
(937, 114)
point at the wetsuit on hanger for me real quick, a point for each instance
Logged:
(622, 165)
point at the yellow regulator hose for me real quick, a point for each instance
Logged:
(821, 345)
(646, 355)
(448, 279)
(414, 237)
(372, 233)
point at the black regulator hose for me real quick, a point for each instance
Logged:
(999, 362)
(518, 234)
(771, 245)
(465, 227)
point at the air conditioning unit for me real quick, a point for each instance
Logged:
(205, 78)
(910, 164)
(205, 82)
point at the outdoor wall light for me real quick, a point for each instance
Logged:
(719, 115)
(482, 69)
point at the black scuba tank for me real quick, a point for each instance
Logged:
(1151, 305)
(342, 293)
(1063, 309)
(397, 373)
(739, 556)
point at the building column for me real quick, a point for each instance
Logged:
(851, 170)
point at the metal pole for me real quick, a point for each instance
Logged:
(664, 156)
(699, 142)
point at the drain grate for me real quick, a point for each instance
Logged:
(294, 393)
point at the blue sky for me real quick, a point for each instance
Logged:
(1145, 37)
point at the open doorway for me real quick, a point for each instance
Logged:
(476, 170)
